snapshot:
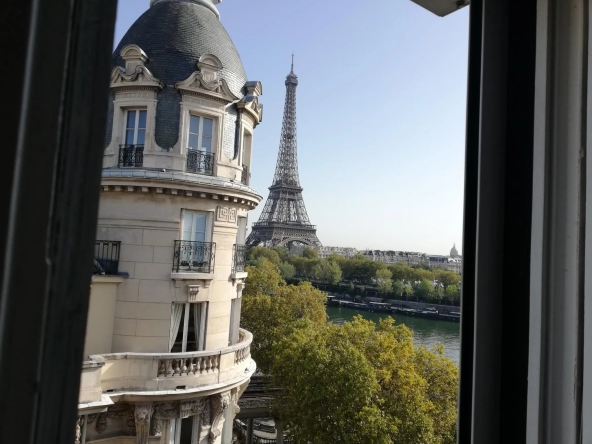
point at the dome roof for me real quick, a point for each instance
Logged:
(174, 34)
(453, 251)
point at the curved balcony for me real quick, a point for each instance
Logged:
(162, 372)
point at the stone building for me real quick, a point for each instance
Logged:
(166, 359)
(347, 252)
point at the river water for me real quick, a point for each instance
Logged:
(425, 331)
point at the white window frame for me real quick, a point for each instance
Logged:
(173, 432)
(136, 125)
(209, 223)
(188, 312)
(200, 132)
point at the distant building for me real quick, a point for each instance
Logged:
(411, 258)
(346, 252)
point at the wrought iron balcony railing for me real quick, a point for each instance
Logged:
(107, 257)
(131, 156)
(195, 257)
(239, 258)
(200, 162)
(245, 176)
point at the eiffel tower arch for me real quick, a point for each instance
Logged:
(284, 220)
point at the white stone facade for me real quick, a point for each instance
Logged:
(166, 361)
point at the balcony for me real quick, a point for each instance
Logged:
(239, 258)
(200, 162)
(107, 257)
(140, 372)
(131, 156)
(245, 175)
(193, 257)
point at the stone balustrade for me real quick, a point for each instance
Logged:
(156, 372)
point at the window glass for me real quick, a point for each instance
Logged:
(206, 143)
(193, 141)
(186, 430)
(194, 124)
(142, 120)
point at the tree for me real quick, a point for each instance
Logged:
(272, 310)
(447, 277)
(287, 270)
(408, 290)
(425, 289)
(398, 288)
(452, 293)
(282, 253)
(362, 383)
(310, 253)
(264, 279)
(255, 254)
(384, 281)
(327, 272)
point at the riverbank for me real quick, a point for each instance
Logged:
(414, 309)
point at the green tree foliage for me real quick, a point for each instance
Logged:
(310, 253)
(453, 293)
(282, 253)
(362, 383)
(287, 270)
(447, 277)
(384, 281)
(425, 289)
(327, 271)
(398, 288)
(272, 310)
(256, 254)
(263, 279)
(408, 290)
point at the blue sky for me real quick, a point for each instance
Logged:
(381, 113)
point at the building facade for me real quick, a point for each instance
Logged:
(166, 358)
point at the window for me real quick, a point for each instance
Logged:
(183, 430)
(235, 312)
(135, 127)
(195, 227)
(241, 233)
(188, 327)
(200, 133)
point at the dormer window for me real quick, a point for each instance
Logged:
(135, 128)
(201, 130)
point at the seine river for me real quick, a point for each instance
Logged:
(425, 331)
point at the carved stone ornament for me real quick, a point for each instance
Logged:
(207, 84)
(141, 77)
(143, 413)
(234, 397)
(101, 423)
(218, 405)
(169, 410)
(155, 426)
(226, 214)
(193, 291)
(191, 408)
(78, 431)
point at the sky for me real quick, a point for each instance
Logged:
(380, 113)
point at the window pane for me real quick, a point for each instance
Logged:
(129, 137)
(141, 137)
(186, 430)
(131, 119)
(194, 124)
(187, 226)
(192, 141)
(207, 127)
(142, 120)
(206, 144)
(200, 227)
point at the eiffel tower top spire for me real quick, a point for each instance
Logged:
(284, 220)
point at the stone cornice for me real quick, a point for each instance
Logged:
(240, 195)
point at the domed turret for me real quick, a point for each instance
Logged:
(454, 251)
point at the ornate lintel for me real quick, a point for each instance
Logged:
(140, 77)
(193, 291)
(214, 88)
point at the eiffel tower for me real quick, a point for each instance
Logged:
(284, 221)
